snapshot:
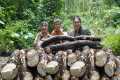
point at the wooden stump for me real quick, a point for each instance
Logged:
(9, 71)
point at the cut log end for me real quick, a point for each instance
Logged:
(78, 69)
(9, 71)
(52, 67)
(32, 58)
(110, 68)
(101, 58)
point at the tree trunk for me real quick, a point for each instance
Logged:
(59, 38)
(56, 39)
(75, 45)
(85, 37)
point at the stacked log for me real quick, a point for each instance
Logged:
(82, 63)
(64, 65)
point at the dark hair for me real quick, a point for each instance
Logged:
(77, 18)
(41, 25)
(44, 23)
(57, 20)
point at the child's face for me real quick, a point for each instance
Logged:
(57, 26)
(44, 28)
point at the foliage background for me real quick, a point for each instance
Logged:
(19, 20)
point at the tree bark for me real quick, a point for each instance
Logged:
(59, 38)
(85, 37)
(75, 45)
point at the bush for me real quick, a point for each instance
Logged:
(16, 35)
(113, 42)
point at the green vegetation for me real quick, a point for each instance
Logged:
(19, 19)
(113, 42)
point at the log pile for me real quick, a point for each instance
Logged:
(82, 63)
(88, 64)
